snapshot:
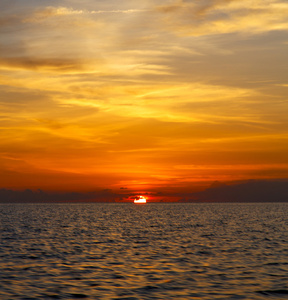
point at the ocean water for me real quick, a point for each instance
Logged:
(152, 251)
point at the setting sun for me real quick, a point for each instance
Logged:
(140, 199)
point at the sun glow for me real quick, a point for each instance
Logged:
(140, 199)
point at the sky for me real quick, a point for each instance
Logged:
(142, 96)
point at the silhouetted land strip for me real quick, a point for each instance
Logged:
(250, 191)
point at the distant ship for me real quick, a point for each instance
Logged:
(140, 199)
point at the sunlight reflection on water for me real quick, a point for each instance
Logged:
(155, 251)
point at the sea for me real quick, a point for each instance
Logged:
(149, 251)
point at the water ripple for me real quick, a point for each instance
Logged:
(156, 251)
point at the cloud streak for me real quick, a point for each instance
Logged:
(222, 17)
(42, 64)
(50, 12)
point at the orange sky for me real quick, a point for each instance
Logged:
(145, 95)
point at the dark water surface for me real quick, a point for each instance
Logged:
(152, 251)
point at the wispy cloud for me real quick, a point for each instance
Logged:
(127, 11)
(42, 64)
(51, 11)
(224, 16)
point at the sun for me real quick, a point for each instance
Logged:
(140, 200)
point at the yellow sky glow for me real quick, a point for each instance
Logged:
(109, 94)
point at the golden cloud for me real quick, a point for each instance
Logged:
(45, 64)
(224, 16)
